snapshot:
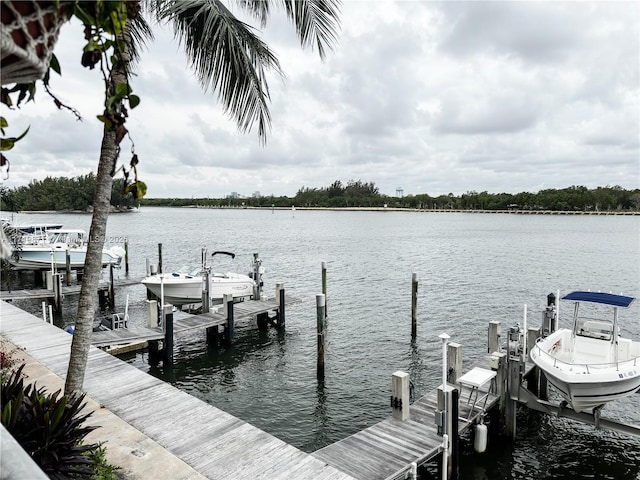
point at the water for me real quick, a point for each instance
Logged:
(472, 269)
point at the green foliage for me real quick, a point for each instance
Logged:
(102, 469)
(48, 427)
(64, 194)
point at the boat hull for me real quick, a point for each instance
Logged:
(33, 258)
(180, 290)
(585, 385)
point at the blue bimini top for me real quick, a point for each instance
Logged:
(600, 297)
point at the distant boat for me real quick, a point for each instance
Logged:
(590, 364)
(44, 249)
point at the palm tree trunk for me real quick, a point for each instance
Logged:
(92, 266)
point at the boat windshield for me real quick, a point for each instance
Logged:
(190, 270)
(70, 237)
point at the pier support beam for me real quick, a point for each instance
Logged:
(68, 267)
(112, 290)
(57, 292)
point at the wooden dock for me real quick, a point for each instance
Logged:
(213, 442)
(185, 322)
(386, 450)
(43, 293)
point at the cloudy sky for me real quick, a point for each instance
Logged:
(431, 97)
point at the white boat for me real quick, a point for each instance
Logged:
(184, 286)
(590, 364)
(43, 250)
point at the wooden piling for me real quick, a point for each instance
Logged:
(324, 286)
(68, 268)
(320, 304)
(494, 337)
(206, 282)
(281, 304)
(152, 313)
(454, 435)
(229, 331)
(168, 333)
(126, 258)
(112, 290)
(400, 401)
(454, 362)
(414, 305)
(57, 292)
(159, 258)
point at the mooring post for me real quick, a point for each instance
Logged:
(206, 279)
(494, 337)
(159, 258)
(213, 336)
(549, 316)
(228, 302)
(414, 305)
(533, 379)
(79, 274)
(147, 267)
(514, 378)
(454, 361)
(168, 333)
(112, 290)
(257, 277)
(126, 258)
(324, 286)
(152, 313)
(320, 326)
(68, 267)
(281, 304)
(400, 400)
(57, 292)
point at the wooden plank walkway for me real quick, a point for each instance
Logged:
(387, 449)
(213, 442)
(184, 322)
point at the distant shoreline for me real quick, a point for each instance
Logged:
(362, 209)
(419, 210)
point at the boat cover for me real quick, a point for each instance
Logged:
(600, 297)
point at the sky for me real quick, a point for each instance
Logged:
(427, 97)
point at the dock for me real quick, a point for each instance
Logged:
(184, 322)
(213, 442)
(43, 293)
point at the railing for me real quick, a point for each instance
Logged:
(562, 365)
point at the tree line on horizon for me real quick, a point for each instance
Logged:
(59, 194)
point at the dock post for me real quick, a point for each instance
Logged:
(400, 401)
(148, 267)
(57, 292)
(454, 360)
(159, 258)
(549, 316)
(414, 305)
(454, 434)
(228, 301)
(213, 336)
(281, 304)
(126, 258)
(168, 333)
(514, 378)
(533, 379)
(205, 291)
(494, 337)
(152, 313)
(324, 286)
(79, 275)
(112, 290)
(320, 304)
(68, 267)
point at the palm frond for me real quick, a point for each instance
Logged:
(316, 21)
(227, 56)
(140, 34)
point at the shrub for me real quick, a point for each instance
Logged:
(48, 427)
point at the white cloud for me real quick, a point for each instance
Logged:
(431, 97)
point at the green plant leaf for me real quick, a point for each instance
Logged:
(54, 64)
(134, 101)
(142, 189)
(3, 122)
(122, 90)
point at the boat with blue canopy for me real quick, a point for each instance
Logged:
(590, 364)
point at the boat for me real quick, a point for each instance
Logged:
(46, 249)
(590, 364)
(185, 285)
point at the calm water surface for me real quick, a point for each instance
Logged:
(472, 269)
